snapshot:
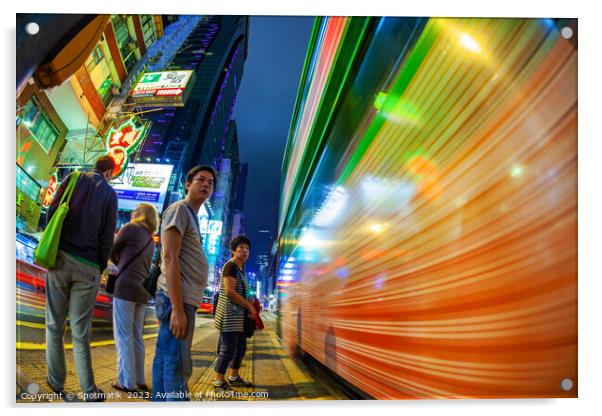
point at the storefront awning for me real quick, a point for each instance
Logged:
(61, 46)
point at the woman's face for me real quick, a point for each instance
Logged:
(242, 252)
(135, 213)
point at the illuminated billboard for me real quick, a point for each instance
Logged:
(161, 88)
(214, 233)
(143, 182)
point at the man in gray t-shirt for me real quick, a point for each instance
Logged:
(193, 262)
(180, 287)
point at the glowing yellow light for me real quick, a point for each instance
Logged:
(309, 240)
(469, 43)
(516, 171)
(377, 228)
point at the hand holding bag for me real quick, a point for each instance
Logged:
(48, 247)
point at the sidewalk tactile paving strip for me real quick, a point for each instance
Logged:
(265, 364)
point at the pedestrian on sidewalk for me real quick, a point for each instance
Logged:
(72, 285)
(180, 286)
(233, 304)
(132, 252)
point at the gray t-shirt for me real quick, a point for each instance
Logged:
(194, 267)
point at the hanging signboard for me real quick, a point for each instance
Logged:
(123, 140)
(162, 88)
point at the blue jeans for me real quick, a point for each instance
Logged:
(128, 328)
(231, 350)
(71, 289)
(172, 365)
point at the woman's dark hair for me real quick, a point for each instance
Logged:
(238, 240)
(197, 169)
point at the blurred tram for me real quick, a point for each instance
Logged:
(428, 219)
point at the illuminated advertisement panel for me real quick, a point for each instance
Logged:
(143, 182)
(214, 232)
(157, 88)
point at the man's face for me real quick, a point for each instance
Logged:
(201, 186)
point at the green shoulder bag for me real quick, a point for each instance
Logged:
(48, 247)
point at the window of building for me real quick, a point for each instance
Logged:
(94, 58)
(27, 185)
(130, 61)
(148, 29)
(121, 30)
(125, 42)
(35, 119)
(104, 91)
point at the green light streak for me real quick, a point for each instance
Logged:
(408, 71)
(351, 40)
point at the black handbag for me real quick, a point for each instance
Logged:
(249, 325)
(112, 278)
(150, 283)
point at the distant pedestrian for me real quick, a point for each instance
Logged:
(232, 305)
(71, 287)
(266, 302)
(180, 287)
(132, 252)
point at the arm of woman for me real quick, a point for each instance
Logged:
(234, 296)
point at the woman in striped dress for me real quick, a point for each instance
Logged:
(232, 305)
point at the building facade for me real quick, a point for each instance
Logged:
(67, 127)
(61, 128)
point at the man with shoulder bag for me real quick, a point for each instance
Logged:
(85, 242)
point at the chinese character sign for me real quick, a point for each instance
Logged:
(53, 185)
(122, 141)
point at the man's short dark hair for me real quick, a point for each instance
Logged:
(197, 169)
(238, 240)
(105, 163)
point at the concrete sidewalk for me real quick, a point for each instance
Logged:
(273, 374)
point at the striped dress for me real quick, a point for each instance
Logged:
(229, 317)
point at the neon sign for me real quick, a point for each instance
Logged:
(124, 140)
(53, 185)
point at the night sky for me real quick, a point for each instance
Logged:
(277, 47)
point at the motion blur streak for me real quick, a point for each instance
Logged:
(451, 270)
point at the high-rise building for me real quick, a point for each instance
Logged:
(238, 214)
(215, 50)
(201, 131)
(239, 203)
(263, 248)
